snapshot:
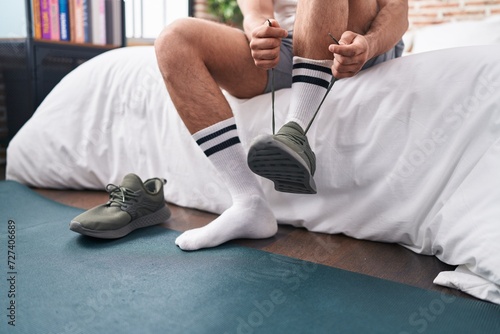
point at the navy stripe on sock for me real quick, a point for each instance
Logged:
(313, 67)
(221, 146)
(311, 80)
(215, 134)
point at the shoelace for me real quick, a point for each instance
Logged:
(120, 195)
(320, 104)
(272, 90)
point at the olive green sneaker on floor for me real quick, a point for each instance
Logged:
(286, 159)
(131, 205)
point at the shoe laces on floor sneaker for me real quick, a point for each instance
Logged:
(121, 196)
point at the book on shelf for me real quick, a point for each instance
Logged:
(45, 18)
(78, 21)
(87, 34)
(55, 34)
(113, 22)
(64, 20)
(98, 19)
(37, 20)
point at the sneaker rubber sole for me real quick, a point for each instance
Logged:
(154, 218)
(277, 162)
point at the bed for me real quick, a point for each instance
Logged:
(408, 151)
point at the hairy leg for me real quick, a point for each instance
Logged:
(197, 58)
(315, 19)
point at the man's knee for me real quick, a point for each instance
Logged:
(172, 39)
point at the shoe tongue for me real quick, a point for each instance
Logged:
(132, 182)
(294, 126)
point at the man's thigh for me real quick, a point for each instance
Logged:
(191, 47)
(226, 54)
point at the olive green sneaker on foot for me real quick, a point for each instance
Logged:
(131, 205)
(286, 159)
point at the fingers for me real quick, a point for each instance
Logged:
(265, 44)
(350, 55)
(347, 38)
(346, 68)
(273, 23)
(267, 31)
(341, 71)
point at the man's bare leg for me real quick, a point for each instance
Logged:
(315, 19)
(196, 58)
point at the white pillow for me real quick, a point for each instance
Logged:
(455, 34)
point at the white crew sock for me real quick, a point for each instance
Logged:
(310, 80)
(250, 216)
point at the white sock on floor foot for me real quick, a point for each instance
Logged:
(250, 216)
(310, 80)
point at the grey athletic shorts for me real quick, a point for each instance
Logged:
(283, 72)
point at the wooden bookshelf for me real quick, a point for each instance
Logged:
(32, 66)
(73, 44)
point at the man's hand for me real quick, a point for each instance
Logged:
(265, 44)
(350, 55)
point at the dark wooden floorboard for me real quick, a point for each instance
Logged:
(387, 261)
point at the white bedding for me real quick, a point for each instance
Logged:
(408, 151)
